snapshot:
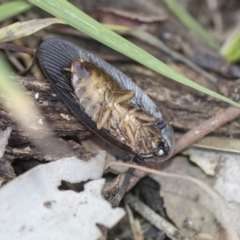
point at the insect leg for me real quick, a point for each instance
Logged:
(143, 135)
(104, 118)
(125, 96)
(104, 111)
(130, 135)
(145, 117)
(143, 142)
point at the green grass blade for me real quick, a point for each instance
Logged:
(232, 54)
(190, 22)
(12, 9)
(4, 69)
(81, 21)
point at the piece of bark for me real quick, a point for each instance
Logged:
(6, 170)
(54, 112)
(56, 148)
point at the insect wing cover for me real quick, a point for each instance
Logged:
(55, 55)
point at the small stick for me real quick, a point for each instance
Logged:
(159, 222)
(134, 224)
(205, 128)
(17, 48)
(122, 188)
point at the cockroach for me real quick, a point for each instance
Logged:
(106, 100)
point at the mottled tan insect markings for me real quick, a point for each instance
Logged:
(108, 105)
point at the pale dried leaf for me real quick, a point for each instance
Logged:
(23, 29)
(228, 181)
(222, 144)
(206, 160)
(32, 207)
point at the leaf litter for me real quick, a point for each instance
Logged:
(42, 211)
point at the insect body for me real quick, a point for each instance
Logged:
(106, 100)
(106, 103)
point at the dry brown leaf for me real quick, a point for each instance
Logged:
(23, 29)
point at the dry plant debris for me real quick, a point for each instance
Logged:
(185, 187)
(42, 211)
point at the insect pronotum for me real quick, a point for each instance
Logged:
(106, 100)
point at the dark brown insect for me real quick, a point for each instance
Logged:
(107, 101)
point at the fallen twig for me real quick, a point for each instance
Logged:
(158, 221)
